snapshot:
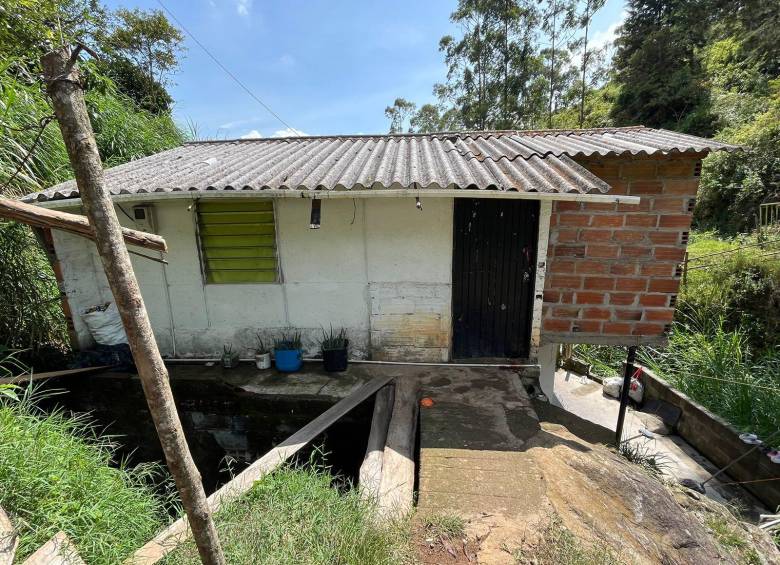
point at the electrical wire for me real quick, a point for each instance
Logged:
(225, 69)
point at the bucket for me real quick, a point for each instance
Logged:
(263, 360)
(288, 360)
(335, 360)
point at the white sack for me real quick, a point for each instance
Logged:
(105, 325)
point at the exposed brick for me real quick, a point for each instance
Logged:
(629, 236)
(567, 206)
(682, 221)
(643, 206)
(631, 284)
(658, 269)
(641, 169)
(605, 251)
(569, 251)
(635, 251)
(617, 328)
(676, 168)
(587, 326)
(622, 298)
(565, 281)
(592, 267)
(618, 187)
(595, 235)
(567, 297)
(654, 299)
(556, 325)
(646, 187)
(604, 169)
(664, 237)
(599, 206)
(586, 297)
(622, 269)
(628, 315)
(607, 221)
(664, 285)
(669, 204)
(574, 219)
(599, 283)
(685, 187)
(565, 235)
(648, 329)
(551, 296)
(659, 315)
(564, 312)
(669, 253)
(561, 266)
(596, 313)
(641, 220)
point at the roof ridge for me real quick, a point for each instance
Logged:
(463, 134)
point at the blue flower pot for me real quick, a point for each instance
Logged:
(288, 360)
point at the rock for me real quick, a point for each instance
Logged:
(653, 423)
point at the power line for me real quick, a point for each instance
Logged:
(225, 69)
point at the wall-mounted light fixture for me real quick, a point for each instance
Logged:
(418, 203)
(316, 214)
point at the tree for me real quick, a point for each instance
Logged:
(147, 39)
(589, 9)
(559, 19)
(147, 93)
(399, 113)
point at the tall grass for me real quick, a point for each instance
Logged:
(56, 474)
(295, 515)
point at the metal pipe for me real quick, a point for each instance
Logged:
(624, 393)
(185, 360)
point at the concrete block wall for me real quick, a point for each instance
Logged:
(612, 269)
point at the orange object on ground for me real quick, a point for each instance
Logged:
(426, 402)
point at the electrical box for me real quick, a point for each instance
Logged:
(143, 216)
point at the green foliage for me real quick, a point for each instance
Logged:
(444, 526)
(147, 93)
(288, 340)
(57, 474)
(399, 113)
(334, 340)
(557, 545)
(297, 516)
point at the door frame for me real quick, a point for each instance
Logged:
(537, 301)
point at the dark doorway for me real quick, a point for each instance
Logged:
(493, 270)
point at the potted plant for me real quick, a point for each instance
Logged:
(262, 354)
(230, 358)
(334, 347)
(287, 352)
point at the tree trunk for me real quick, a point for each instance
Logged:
(584, 62)
(67, 98)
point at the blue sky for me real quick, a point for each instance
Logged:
(324, 66)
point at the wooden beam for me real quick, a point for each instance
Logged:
(59, 550)
(371, 469)
(178, 532)
(33, 377)
(396, 488)
(9, 539)
(71, 223)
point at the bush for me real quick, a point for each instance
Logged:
(295, 515)
(57, 474)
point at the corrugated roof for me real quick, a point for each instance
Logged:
(537, 161)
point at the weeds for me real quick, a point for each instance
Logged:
(558, 546)
(439, 527)
(56, 474)
(641, 454)
(295, 515)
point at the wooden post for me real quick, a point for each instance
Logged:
(371, 469)
(67, 98)
(9, 539)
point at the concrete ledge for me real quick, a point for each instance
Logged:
(719, 441)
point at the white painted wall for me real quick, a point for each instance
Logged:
(379, 267)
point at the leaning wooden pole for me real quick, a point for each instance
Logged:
(370, 474)
(64, 89)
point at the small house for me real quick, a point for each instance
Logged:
(425, 247)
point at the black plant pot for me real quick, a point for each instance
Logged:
(335, 360)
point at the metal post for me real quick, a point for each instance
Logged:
(624, 392)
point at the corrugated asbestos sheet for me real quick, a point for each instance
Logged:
(503, 160)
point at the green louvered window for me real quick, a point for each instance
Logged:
(238, 241)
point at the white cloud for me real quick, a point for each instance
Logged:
(243, 7)
(605, 36)
(289, 132)
(286, 61)
(252, 134)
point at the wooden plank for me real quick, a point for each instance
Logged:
(59, 550)
(52, 374)
(396, 488)
(73, 223)
(9, 539)
(371, 470)
(178, 532)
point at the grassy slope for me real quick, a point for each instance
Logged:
(297, 516)
(55, 474)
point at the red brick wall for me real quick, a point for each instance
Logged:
(612, 268)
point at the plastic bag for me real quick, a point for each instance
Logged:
(612, 386)
(636, 391)
(104, 324)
